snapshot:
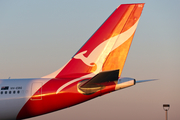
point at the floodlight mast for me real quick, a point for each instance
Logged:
(166, 108)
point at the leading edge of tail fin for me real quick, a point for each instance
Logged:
(108, 47)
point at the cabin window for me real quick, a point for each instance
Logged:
(10, 92)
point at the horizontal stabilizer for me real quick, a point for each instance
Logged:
(140, 81)
(95, 84)
(107, 76)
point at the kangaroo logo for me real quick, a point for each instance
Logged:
(93, 56)
(86, 60)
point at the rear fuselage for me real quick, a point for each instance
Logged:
(24, 98)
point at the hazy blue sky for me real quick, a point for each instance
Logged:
(38, 37)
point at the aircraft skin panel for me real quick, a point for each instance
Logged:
(104, 52)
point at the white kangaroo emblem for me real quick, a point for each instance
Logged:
(86, 60)
(92, 58)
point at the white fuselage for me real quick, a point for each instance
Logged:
(14, 93)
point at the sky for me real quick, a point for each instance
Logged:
(39, 37)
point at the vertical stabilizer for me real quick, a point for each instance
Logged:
(108, 47)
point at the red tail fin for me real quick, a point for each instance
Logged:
(107, 49)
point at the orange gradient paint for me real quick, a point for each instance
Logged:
(117, 57)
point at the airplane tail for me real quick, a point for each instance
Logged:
(108, 47)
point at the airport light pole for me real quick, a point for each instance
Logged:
(166, 108)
